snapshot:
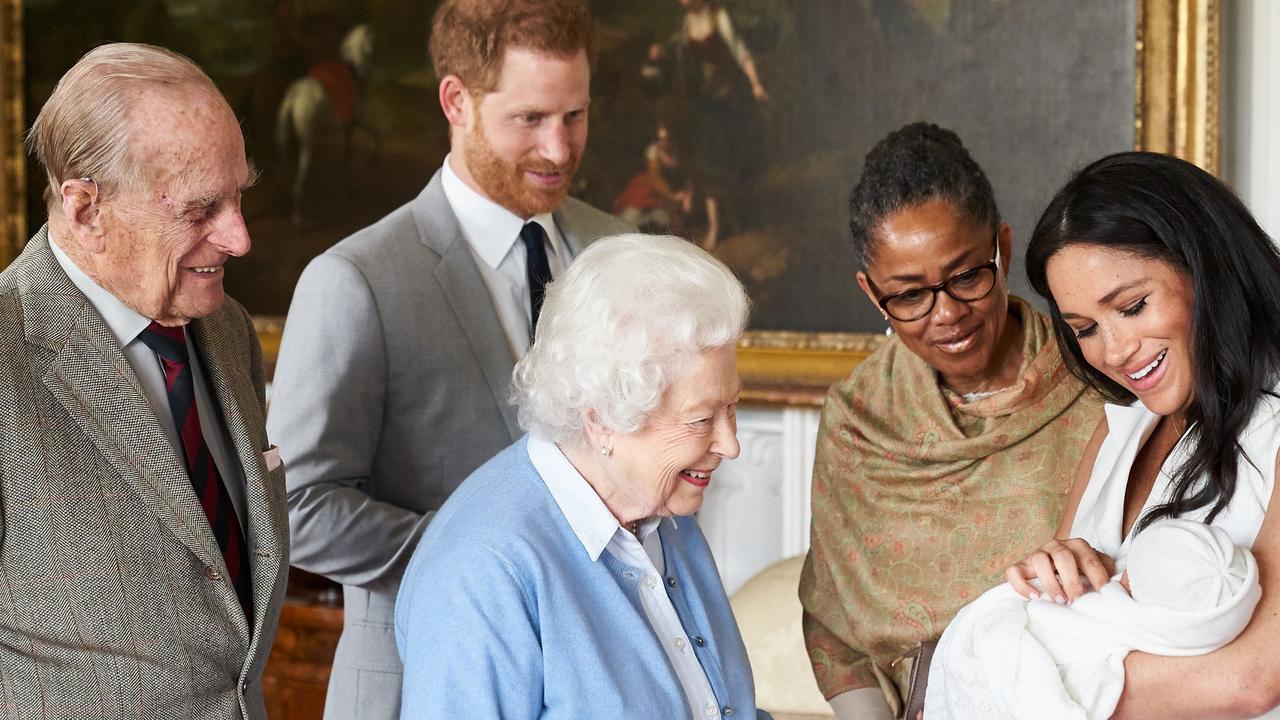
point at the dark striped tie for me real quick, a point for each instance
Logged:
(170, 344)
(537, 269)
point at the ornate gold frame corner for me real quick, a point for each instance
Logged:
(13, 186)
(795, 368)
(1176, 104)
(270, 330)
(1178, 80)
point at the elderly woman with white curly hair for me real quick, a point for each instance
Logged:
(565, 578)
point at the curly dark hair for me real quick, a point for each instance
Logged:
(912, 165)
(1167, 210)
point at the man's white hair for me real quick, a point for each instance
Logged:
(615, 330)
(84, 129)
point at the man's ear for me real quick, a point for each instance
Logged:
(82, 214)
(456, 101)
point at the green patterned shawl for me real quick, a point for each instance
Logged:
(920, 501)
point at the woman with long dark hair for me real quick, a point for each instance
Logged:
(1165, 296)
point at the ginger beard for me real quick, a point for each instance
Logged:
(507, 184)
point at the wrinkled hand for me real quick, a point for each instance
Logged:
(1059, 566)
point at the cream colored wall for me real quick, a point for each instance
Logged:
(756, 510)
(1251, 105)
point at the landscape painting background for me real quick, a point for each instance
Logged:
(1035, 89)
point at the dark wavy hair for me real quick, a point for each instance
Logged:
(1165, 209)
(912, 165)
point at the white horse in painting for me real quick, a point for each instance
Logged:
(307, 114)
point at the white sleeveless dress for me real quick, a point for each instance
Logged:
(1101, 513)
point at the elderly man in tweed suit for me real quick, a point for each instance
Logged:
(143, 529)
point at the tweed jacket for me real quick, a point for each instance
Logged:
(114, 598)
(391, 388)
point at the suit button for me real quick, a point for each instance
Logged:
(212, 574)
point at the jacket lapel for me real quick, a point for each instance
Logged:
(94, 382)
(565, 226)
(468, 296)
(265, 525)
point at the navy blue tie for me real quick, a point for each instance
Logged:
(537, 268)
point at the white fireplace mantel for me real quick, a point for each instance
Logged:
(756, 510)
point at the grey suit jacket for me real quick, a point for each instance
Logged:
(114, 601)
(391, 387)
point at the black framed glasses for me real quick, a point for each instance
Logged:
(967, 286)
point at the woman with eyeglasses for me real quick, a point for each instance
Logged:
(947, 454)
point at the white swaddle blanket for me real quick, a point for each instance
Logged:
(1007, 657)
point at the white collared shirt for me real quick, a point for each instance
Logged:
(598, 530)
(493, 232)
(126, 325)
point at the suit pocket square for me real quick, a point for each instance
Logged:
(272, 458)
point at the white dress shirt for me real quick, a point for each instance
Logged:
(599, 530)
(126, 325)
(493, 232)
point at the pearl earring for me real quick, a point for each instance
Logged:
(606, 451)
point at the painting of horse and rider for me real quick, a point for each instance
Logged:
(335, 101)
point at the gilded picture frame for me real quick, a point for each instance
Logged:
(1175, 110)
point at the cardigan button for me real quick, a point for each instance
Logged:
(671, 581)
(697, 640)
(728, 711)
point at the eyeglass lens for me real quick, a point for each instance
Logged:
(968, 286)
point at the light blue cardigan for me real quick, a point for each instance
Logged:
(502, 614)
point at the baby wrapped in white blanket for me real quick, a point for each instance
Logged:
(1003, 656)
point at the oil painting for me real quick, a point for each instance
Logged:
(738, 124)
